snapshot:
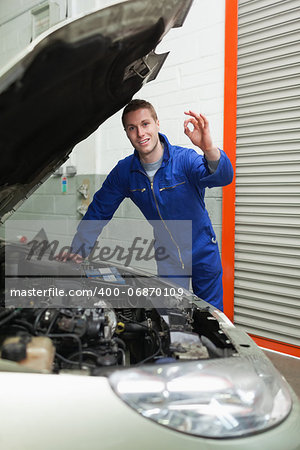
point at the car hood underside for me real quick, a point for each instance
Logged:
(69, 82)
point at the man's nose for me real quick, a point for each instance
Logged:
(140, 131)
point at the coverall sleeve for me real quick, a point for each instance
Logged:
(198, 172)
(103, 206)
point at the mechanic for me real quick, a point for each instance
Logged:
(167, 183)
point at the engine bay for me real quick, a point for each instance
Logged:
(153, 321)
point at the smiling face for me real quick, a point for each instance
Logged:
(142, 131)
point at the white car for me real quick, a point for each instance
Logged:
(99, 375)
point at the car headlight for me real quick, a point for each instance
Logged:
(212, 398)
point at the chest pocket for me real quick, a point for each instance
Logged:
(171, 187)
(138, 195)
(137, 190)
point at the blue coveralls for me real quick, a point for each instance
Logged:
(176, 194)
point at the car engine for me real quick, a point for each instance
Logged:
(105, 330)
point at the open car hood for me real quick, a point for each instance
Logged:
(69, 81)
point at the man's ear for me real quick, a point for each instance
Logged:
(157, 123)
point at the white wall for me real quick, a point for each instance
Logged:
(77, 7)
(191, 78)
(16, 24)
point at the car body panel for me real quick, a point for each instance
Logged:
(78, 412)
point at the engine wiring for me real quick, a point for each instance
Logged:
(149, 330)
(10, 316)
(72, 336)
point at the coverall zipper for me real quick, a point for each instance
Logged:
(175, 243)
(165, 225)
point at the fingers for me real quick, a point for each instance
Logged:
(201, 119)
(205, 121)
(196, 115)
(59, 257)
(197, 126)
(62, 257)
(187, 130)
(77, 259)
(192, 121)
(66, 256)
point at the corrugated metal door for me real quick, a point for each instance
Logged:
(267, 252)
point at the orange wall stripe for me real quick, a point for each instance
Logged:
(281, 347)
(229, 145)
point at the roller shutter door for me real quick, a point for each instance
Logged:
(267, 249)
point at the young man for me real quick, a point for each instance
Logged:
(167, 183)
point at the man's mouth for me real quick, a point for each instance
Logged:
(144, 141)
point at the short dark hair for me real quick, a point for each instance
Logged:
(136, 104)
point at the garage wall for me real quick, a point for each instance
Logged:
(267, 243)
(22, 20)
(192, 78)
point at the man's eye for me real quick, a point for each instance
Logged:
(145, 123)
(130, 128)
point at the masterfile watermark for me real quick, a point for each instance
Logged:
(129, 266)
(21, 294)
(157, 247)
(140, 249)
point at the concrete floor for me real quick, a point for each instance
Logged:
(288, 366)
